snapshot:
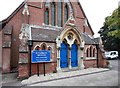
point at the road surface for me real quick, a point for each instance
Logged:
(108, 78)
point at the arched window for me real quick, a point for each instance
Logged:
(43, 46)
(94, 52)
(46, 21)
(91, 51)
(37, 48)
(50, 49)
(53, 13)
(87, 53)
(66, 13)
(60, 13)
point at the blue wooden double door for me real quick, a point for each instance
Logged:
(64, 55)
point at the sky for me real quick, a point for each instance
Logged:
(95, 10)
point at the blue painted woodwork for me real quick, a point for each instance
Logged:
(64, 55)
(74, 55)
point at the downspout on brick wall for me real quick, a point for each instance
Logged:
(97, 47)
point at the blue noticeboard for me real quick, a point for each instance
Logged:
(40, 56)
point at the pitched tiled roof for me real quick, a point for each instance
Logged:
(87, 39)
(41, 34)
(97, 40)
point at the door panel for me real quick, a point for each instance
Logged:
(74, 55)
(63, 55)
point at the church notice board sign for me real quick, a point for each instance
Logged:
(40, 56)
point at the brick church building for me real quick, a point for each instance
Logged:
(59, 27)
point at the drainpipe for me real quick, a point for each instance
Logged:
(97, 47)
(30, 44)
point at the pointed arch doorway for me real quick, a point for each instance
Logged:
(68, 49)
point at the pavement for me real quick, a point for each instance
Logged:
(9, 78)
(61, 75)
(0, 79)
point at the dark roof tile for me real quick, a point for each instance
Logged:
(97, 40)
(87, 39)
(40, 34)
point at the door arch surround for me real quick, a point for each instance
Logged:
(73, 39)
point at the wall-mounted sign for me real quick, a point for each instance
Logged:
(40, 56)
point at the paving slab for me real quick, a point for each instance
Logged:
(9, 78)
(61, 75)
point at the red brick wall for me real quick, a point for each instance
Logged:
(6, 61)
(23, 71)
(36, 3)
(90, 63)
(102, 61)
(88, 47)
(36, 17)
(50, 67)
(80, 18)
(16, 22)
